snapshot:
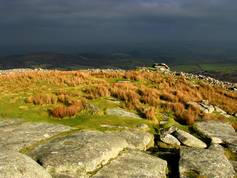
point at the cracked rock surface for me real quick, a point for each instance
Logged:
(134, 164)
(15, 134)
(78, 154)
(136, 139)
(121, 113)
(209, 163)
(218, 132)
(17, 165)
(62, 152)
(81, 153)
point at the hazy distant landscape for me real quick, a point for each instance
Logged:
(217, 60)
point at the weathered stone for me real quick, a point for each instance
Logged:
(134, 164)
(227, 115)
(169, 130)
(206, 108)
(189, 140)
(211, 108)
(202, 107)
(218, 132)
(166, 147)
(194, 104)
(204, 162)
(17, 165)
(136, 139)
(15, 134)
(81, 153)
(234, 164)
(121, 113)
(216, 147)
(169, 139)
(219, 110)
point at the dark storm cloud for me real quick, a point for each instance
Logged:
(93, 21)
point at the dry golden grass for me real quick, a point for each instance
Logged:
(227, 100)
(133, 75)
(68, 111)
(65, 99)
(97, 91)
(42, 99)
(168, 97)
(145, 90)
(62, 111)
(128, 96)
(150, 96)
(107, 74)
(188, 117)
(150, 114)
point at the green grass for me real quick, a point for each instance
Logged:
(83, 120)
(225, 68)
(186, 68)
(12, 105)
(17, 88)
(172, 122)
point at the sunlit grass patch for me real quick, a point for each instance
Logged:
(51, 96)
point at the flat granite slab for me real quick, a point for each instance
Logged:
(78, 154)
(17, 165)
(81, 153)
(209, 163)
(131, 164)
(218, 132)
(16, 134)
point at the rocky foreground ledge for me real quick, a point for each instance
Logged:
(43, 150)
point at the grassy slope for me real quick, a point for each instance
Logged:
(17, 87)
(13, 105)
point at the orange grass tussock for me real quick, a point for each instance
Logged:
(68, 111)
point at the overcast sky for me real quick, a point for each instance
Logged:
(70, 22)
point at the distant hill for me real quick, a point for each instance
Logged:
(69, 61)
(221, 69)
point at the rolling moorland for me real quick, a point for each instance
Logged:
(63, 94)
(174, 109)
(216, 66)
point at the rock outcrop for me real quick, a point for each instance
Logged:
(61, 151)
(121, 113)
(218, 132)
(134, 164)
(207, 163)
(78, 154)
(81, 153)
(15, 134)
(189, 140)
(17, 165)
(66, 154)
(170, 140)
(136, 139)
(205, 107)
